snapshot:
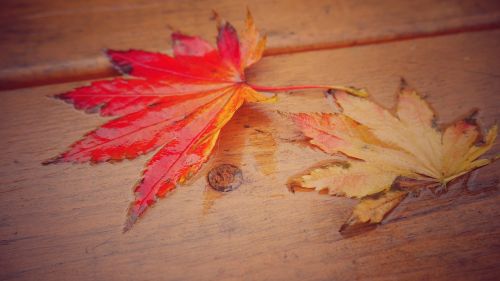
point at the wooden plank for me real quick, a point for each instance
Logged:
(64, 222)
(53, 41)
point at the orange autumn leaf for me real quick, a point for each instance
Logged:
(174, 105)
(382, 147)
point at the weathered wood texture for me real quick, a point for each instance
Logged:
(63, 222)
(54, 41)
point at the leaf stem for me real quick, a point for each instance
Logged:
(351, 90)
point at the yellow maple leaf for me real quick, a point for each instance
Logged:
(381, 147)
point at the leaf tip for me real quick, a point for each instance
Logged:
(215, 16)
(118, 62)
(293, 184)
(249, 19)
(354, 228)
(129, 223)
(108, 53)
(177, 35)
(53, 160)
(360, 92)
(52, 96)
(403, 84)
(471, 118)
(59, 96)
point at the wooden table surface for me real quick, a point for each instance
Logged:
(64, 222)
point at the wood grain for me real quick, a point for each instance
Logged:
(63, 222)
(55, 41)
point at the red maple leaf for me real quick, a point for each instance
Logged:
(176, 104)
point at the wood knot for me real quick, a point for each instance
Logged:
(225, 177)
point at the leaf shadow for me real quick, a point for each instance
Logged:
(248, 133)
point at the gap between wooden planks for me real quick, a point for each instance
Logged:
(65, 220)
(60, 41)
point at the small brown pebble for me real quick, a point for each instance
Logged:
(225, 177)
